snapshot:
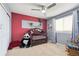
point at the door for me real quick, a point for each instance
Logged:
(4, 31)
(64, 29)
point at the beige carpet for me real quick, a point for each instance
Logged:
(47, 49)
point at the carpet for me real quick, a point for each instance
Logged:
(47, 49)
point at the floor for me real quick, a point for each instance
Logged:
(47, 49)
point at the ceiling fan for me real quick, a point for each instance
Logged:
(44, 8)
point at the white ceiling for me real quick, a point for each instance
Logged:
(60, 8)
(25, 8)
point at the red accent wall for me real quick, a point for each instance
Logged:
(18, 31)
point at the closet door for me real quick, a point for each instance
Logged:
(4, 31)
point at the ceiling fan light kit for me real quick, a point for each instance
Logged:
(44, 8)
(43, 11)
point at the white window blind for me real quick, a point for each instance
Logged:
(64, 24)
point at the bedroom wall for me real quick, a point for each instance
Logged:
(51, 30)
(8, 10)
(60, 13)
(5, 29)
(17, 30)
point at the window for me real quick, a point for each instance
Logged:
(64, 24)
(59, 24)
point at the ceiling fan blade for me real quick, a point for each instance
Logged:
(36, 4)
(39, 5)
(36, 9)
(51, 5)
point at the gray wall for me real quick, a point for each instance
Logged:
(5, 30)
(7, 9)
(51, 31)
(5, 5)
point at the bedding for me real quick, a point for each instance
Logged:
(38, 37)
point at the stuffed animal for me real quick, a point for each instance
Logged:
(25, 42)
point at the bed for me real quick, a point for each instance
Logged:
(38, 36)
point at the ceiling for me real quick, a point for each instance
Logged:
(25, 8)
(60, 8)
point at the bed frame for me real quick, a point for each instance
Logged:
(37, 37)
